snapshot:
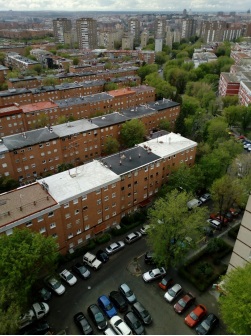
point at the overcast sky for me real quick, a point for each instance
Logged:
(126, 5)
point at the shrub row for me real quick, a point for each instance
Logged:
(124, 229)
(233, 233)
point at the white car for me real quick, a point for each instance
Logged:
(56, 285)
(215, 223)
(38, 311)
(68, 277)
(173, 292)
(153, 274)
(132, 237)
(144, 229)
(204, 198)
(114, 247)
(120, 326)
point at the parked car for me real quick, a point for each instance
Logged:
(127, 293)
(235, 212)
(82, 323)
(142, 313)
(144, 229)
(81, 270)
(39, 328)
(37, 311)
(115, 247)
(97, 316)
(132, 237)
(149, 258)
(153, 274)
(205, 197)
(102, 256)
(134, 323)
(207, 325)
(107, 306)
(91, 260)
(166, 282)
(173, 292)
(119, 301)
(184, 303)
(215, 224)
(193, 203)
(54, 284)
(120, 326)
(44, 294)
(196, 315)
(229, 216)
(223, 220)
(68, 277)
(109, 331)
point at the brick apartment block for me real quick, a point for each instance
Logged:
(48, 112)
(28, 155)
(75, 205)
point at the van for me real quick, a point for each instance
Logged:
(193, 203)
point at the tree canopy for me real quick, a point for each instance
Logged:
(132, 132)
(25, 257)
(235, 306)
(111, 145)
(170, 223)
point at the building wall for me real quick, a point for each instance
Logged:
(245, 94)
(242, 249)
(87, 33)
(228, 88)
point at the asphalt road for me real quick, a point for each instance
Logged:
(108, 278)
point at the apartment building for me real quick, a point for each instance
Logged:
(61, 28)
(28, 155)
(3, 73)
(87, 33)
(229, 84)
(242, 248)
(20, 62)
(160, 27)
(188, 28)
(11, 120)
(218, 31)
(127, 41)
(75, 205)
(134, 29)
(245, 93)
(144, 37)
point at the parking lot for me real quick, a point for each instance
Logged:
(119, 269)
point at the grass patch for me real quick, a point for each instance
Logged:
(205, 268)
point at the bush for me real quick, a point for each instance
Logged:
(124, 228)
(216, 245)
(104, 238)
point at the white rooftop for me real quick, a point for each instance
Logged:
(169, 144)
(79, 181)
(73, 127)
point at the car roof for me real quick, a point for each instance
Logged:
(125, 286)
(176, 287)
(131, 235)
(104, 299)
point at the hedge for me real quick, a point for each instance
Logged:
(233, 233)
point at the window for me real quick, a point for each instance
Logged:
(105, 188)
(68, 225)
(113, 195)
(113, 185)
(107, 217)
(51, 214)
(76, 212)
(67, 215)
(86, 217)
(42, 230)
(79, 231)
(54, 235)
(106, 198)
(28, 224)
(87, 227)
(84, 197)
(70, 235)
(52, 225)
(40, 219)
(98, 201)
(4, 165)
(98, 192)
(100, 221)
(66, 205)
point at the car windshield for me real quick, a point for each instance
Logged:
(193, 316)
(109, 306)
(182, 303)
(56, 284)
(151, 274)
(144, 313)
(69, 277)
(136, 324)
(164, 282)
(205, 325)
(171, 292)
(129, 293)
(99, 317)
(117, 323)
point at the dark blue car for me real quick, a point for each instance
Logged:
(106, 305)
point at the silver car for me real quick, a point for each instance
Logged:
(173, 292)
(127, 293)
(114, 247)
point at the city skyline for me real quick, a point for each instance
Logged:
(129, 5)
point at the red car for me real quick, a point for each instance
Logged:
(185, 302)
(166, 282)
(223, 221)
(196, 315)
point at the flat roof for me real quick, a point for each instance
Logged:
(138, 111)
(9, 110)
(73, 127)
(231, 78)
(141, 88)
(13, 92)
(29, 138)
(248, 84)
(169, 144)
(3, 148)
(83, 100)
(78, 181)
(109, 119)
(128, 160)
(38, 106)
(32, 199)
(122, 92)
(163, 104)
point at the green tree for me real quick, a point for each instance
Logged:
(163, 89)
(110, 86)
(132, 132)
(145, 70)
(65, 166)
(7, 184)
(25, 257)
(170, 223)
(233, 114)
(161, 58)
(50, 81)
(234, 304)
(164, 125)
(111, 145)
(230, 100)
(226, 191)
(2, 58)
(38, 68)
(75, 61)
(216, 130)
